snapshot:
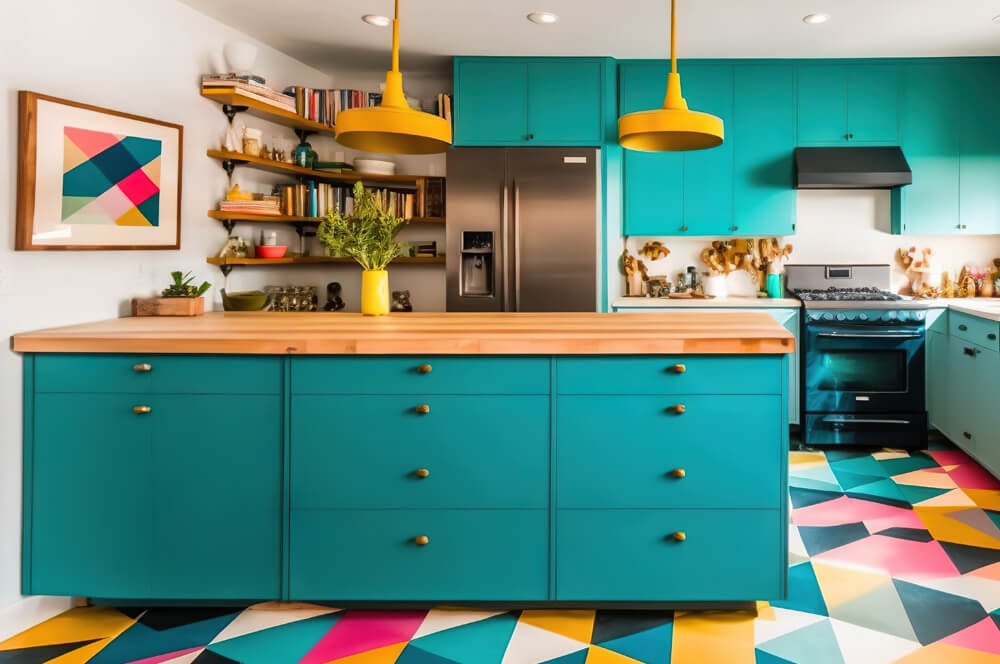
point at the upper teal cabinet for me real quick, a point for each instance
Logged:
(842, 104)
(528, 101)
(979, 149)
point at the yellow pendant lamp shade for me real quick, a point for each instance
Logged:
(673, 127)
(393, 127)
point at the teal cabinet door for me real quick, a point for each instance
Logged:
(215, 474)
(822, 104)
(631, 555)
(763, 138)
(872, 104)
(653, 181)
(564, 102)
(491, 101)
(708, 174)
(940, 383)
(930, 141)
(789, 319)
(979, 147)
(91, 498)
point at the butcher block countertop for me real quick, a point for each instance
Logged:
(682, 332)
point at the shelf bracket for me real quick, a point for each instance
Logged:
(226, 269)
(306, 228)
(303, 134)
(231, 111)
(228, 165)
(230, 224)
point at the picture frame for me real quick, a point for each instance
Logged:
(91, 178)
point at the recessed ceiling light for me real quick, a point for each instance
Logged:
(814, 19)
(542, 17)
(376, 20)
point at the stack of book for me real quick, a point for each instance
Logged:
(397, 203)
(323, 105)
(248, 86)
(266, 205)
(314, 199)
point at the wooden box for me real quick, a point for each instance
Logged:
(168, 306)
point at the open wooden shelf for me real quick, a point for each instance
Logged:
(281, 168)
(310, 260)
(286, 219)
(259, 109)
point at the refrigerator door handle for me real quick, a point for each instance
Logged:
(501, 256)
(517, 246)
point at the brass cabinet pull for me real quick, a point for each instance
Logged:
(679, 409)
(679, 536)
(423, 409)
(421, 540)
(684, 228)
(142, 368)
(141, 410)
(422, 473)
(677, 472)
(678, 368)
(424, 369)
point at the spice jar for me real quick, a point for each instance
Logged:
(251, 141)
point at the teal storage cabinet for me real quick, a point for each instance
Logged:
(979, 149)
(763, 138)
(180, 502)
(845, 104)
(708, 174)
(529, 101)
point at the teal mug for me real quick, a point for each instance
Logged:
(774, 286)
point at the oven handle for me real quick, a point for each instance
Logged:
(849, 335)
(845, 420)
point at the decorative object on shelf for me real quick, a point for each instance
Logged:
(251, 141)
(636, 275)
(415, 248)
(237, 194)
(93, 178)
(235, 246)
(240, 56)
(658, 286)
(375, 166)
(948, 286)
(243, 300)
(180, 298)
(401, 301)
(673, 127)
(333, 300)
(654, 250)
(368, 235)
(966, 283)
(269, 238)
(232, 141)
(291, 298)
(393, 127)
(304, 156)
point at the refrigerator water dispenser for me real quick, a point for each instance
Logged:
(476, 279)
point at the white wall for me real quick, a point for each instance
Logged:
(836, 227)
(144, 58)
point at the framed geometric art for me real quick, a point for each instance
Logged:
(93, 178)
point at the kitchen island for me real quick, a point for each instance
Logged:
(525, 458)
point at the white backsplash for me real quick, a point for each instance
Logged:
(836, 227)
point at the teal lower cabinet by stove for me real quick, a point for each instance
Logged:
(627, 479)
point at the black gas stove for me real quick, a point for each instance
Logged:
(834, 294)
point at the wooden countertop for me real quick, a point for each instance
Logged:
(422, 333)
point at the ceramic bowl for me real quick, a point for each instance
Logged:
(243, 301)
(263, 251)
(374, 167)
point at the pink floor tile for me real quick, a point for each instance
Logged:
(848, 510)
(973, 476)
(360, 631)
(898, 557)
(983, 636)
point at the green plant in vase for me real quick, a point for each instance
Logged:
(182, 286)
(368, 235)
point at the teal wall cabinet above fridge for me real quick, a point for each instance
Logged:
(529, 101)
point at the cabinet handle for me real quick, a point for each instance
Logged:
(424, 369)
(678, 409)
(423, 409)
(678, 368)
(967, 435)
(531, 137)
(422, 473)
(421, 540)
(142, 368)
(679, 536)
(971, 351)
(684, 228)
(677, 472)
(962, 226)
(734, 228)
(991, 336)
(963, 328)
(141, 410)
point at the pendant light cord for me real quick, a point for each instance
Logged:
(673, 35)
(395, 39)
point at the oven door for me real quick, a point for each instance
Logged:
(863, 368)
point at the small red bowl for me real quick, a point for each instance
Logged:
(262, 251)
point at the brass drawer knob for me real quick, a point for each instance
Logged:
(679, 409)
(678, 368)
(679, 536)
(141, 410)
(677, 472)
(142, 368)
(422, 473)
(423, 409)
(424, 368)
(421, 540)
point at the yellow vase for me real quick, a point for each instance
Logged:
(374, 292)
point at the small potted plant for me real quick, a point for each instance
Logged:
(180, 298)
(368, 235)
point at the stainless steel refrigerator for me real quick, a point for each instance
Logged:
(522, 229)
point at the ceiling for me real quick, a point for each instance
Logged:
(329, 35)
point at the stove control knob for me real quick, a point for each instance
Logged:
(892, 315)
(862, 316)
(919, 315)
(827, 316)
(841, 317)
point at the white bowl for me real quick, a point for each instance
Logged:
(374, 167)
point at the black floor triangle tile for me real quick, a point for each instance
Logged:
(934, 614)
(968, 558)
(613, 623)
(807, 497)
(209, 657)
(914, 534)
(40, 654)
(820, 539)
(161, 618)
(880, 499)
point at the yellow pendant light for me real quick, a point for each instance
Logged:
(673, 127)
(393, 127)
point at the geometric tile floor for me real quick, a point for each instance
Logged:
(895, 557)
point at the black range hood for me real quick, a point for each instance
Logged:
(851, 168)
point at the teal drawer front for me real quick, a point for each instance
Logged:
(727, 447)
(470, 555)
(181, 374)
(364, 451)
(402, 375)
(629, 555)
(662, 375)
(979, 331)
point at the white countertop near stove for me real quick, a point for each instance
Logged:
(733, 302)
(981, 307)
